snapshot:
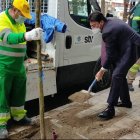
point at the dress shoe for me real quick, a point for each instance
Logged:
(3, 132)
(24, 121)
(121, 104)
(107, 114)
(130, 87)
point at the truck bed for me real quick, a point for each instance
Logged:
(31, 64)
(48, 76)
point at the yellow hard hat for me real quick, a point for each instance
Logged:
(23, 7)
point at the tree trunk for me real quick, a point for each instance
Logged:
(125, 14)
(41, 95)
(103, 6)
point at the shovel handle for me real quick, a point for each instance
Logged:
(92, 84)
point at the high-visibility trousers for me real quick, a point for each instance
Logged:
(133, 72)
(12, 95)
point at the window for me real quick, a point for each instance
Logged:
(44, 6)
(78, 7)
(78, 10)
(4, 4)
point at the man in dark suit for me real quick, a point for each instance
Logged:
(120, 43)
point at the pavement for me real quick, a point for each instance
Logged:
(130, 118)
(126, 119)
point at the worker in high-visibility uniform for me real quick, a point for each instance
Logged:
(13, 37)
(135, 24)
(132, 74)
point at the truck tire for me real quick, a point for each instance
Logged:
(106, 81)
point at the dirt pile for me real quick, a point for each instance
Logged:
(80, 96)
(68, 124)
(78, 121)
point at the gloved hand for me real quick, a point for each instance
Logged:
(34, 34)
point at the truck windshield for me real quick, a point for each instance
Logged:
(79, 10)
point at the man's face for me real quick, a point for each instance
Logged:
(95, 24)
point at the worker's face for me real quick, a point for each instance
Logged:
(17, 15)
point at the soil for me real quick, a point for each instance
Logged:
(67, 124)
(80, 96)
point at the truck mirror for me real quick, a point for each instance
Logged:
(68, 42)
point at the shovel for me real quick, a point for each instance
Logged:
(92, 84)
(83, 95)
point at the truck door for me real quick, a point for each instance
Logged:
(81, 45)
(78, 49)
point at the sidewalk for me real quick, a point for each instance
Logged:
(79, 121)
(129, 121)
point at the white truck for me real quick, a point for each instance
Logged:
(72, 55)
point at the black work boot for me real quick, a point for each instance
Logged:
(3, 132)
(130, 87)
(24, 121)
(108, 113)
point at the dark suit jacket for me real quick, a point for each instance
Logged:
(120, 41)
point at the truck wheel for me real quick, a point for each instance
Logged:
(105, 82)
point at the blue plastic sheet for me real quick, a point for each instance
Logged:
(49, 25)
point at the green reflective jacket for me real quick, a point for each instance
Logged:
(12, 43)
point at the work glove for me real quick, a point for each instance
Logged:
(34, 34)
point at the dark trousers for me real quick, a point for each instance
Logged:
(119, 86)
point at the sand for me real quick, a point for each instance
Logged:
(80, 96)
(66, 123)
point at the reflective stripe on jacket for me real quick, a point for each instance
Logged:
(136, 18)
(135, 68)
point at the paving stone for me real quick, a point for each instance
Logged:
(111, 129)
(91, 111)
(98, 98)
(135, 115)
(125, 123)
(137, 130)
(127, 111)
(131, 136)
(135, 96)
